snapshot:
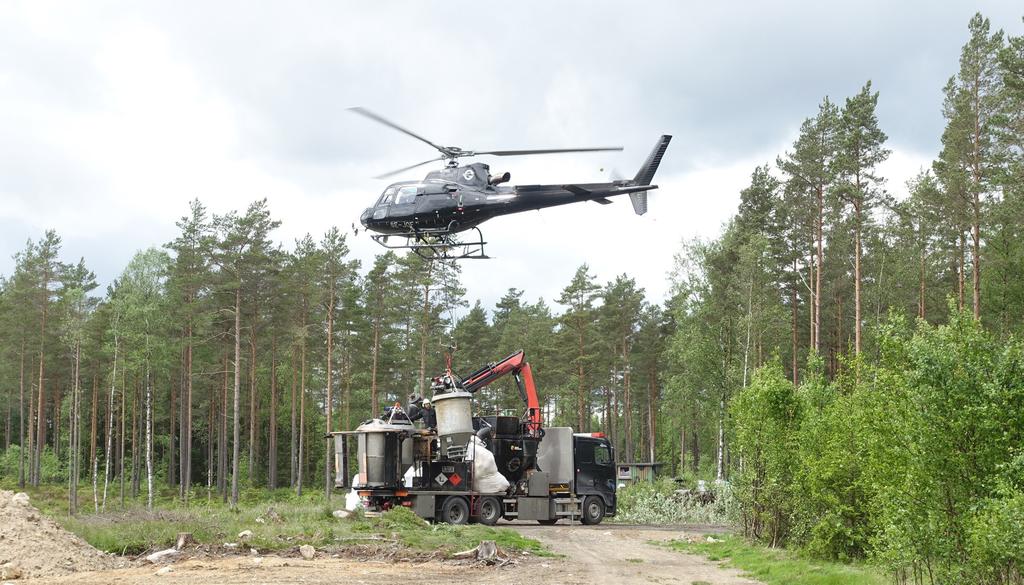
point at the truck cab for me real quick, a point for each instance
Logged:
(594, 461)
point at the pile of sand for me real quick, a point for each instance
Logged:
(37, 547)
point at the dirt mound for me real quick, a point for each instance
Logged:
(37, 547)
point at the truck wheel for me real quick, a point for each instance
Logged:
(490, 511)
(593, 510)
(548, 522)
(455, 510)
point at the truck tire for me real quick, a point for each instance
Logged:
(593, 510)
(490, 511)
(455, 510)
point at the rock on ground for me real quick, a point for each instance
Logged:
(307, 551)
(38, 547)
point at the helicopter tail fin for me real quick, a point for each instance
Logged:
(646, 174)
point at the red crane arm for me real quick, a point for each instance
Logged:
(516, 365)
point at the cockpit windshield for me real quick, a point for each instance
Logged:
(387, 196)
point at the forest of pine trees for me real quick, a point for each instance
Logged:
(216, 362)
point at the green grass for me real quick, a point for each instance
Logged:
(287, 521)
(779, 567)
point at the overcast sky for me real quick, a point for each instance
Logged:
(113, 116)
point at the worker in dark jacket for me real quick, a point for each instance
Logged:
(422, 409)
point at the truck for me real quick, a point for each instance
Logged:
(482, 469)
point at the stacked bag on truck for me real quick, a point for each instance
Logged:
(486, 478)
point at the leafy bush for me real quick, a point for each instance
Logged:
(767, 418)
(662, 502)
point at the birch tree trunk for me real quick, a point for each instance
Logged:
(149, 440)
(110, 427)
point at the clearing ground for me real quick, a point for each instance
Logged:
(616, 554)
(619, 555)
(34, 546)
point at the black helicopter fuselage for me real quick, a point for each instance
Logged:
(458, 198)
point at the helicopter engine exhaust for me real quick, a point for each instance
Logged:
(501, 178)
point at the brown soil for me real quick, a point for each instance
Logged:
(593, 555)
(38, 547)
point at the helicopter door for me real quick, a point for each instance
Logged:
(405, 202)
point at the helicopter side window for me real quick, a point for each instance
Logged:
(405, 195)
(387, 196)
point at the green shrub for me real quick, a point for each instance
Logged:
(663, 502)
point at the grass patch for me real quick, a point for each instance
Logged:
(279, 520)
(780, 567)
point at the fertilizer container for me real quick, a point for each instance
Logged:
(454, 422)
(384, 452)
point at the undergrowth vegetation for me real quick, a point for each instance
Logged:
(279, 520)
(777, 566)
(664, 502)
(914, 462)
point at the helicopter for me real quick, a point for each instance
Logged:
(434, 216)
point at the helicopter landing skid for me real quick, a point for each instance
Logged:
(437, 244)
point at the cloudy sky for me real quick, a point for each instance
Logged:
(113, 116)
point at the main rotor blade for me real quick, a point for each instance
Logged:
(389, 123)
(545, 151)
(408, 168)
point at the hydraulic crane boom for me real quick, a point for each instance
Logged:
(516, 365)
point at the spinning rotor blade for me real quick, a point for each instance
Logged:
(389, 123)
(545, 151)
(408, 168)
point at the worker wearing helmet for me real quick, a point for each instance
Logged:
(423, 409)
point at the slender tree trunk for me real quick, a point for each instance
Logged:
(58, 402)
(236, 406)
(186, 475)
(211, 426)
(136, 456)
(816, 342)
(682, 449)
(720, 459)
(254, 410)
(272, 446)
(31, 433)
(172, 437)
(695, 447)
(7, 420)
(961, 262)
(628, 402)
(149, 440)
(21, 417)
(856, 277)
(750, 320)
(41, 402)
(302, 413)
(373, 370)
(121, 437)
(73, 436)
(796, 349)
(222, 457)
(110, 427)
(976, 253)
(921, 287)
(330, 386)
(294, 415)
(93, 439)
(652, 417)
(581, 391)
(425, 331)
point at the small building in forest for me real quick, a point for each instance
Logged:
(629, 473)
